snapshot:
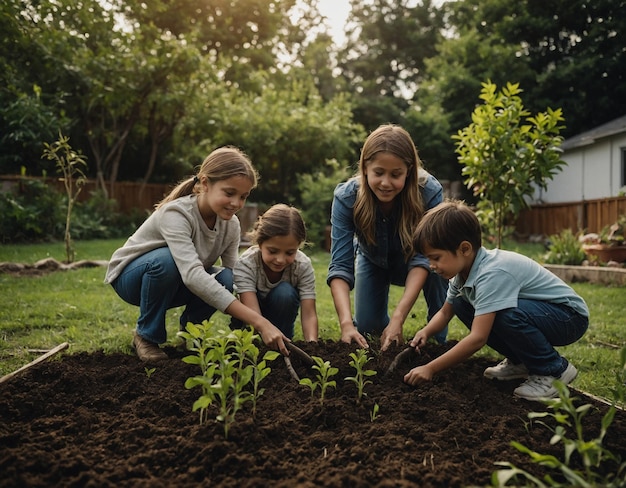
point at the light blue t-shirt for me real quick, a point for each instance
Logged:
(499, 278)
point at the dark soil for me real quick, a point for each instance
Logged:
(100, 420)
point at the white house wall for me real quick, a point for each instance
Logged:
(592, 171)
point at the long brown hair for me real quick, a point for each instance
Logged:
(394, 140)
(223, 163)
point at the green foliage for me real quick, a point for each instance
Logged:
(374, 412)
(149, 371)
(322, 378)
(316, 191)
(488, 219)
(565, 248)
(69, 164)
(27, 119)
(32, 212)
(291, 131)
(230, 366)
(99, 218)
(359, 362)
(595, 458)
(506, 154)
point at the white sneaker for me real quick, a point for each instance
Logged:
(506, 370)
(539, 387)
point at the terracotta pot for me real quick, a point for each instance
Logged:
(605, 252)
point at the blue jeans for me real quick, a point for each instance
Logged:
(280, 306)
(152, 282)
(371, 295)
(527, 334)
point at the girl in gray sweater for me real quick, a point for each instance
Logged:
(170, 260)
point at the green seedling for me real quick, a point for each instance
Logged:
(149, 371)
(359, 362)
(231, 370)
(324, 372)
(374, 412)
(591, 452)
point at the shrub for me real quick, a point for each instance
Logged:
(317, 196)
(32, 213)
(565, 248)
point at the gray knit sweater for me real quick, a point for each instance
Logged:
(195, 248)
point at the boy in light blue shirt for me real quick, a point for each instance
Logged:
(507, 300)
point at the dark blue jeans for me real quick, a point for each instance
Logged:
(280, 306)
(153, 283)
(527, 334)
(371, 295)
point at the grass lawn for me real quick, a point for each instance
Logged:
(40, 312)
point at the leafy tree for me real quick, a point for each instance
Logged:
(506, 153)
(30, 112)
(285, 131)
(383, 62)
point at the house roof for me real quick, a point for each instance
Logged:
(616, 126)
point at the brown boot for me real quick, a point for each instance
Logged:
(147, 351)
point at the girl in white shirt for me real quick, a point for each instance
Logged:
(274, 277)
(169, 261)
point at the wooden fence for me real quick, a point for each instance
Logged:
(587, 216)
(548, 219)
(130, 196)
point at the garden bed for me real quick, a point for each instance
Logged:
(593, 274)
(102, 420)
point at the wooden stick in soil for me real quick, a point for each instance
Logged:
(292, 371)
(300, 353)
(402, 356)
(50, 353)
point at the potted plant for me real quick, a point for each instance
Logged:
(609, 244)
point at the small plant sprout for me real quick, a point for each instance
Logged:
(324, 372)
(359, 362)
(374, 412)
(231, 370)
(592, 453)
(149, 371)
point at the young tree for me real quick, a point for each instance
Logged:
(506, 153)
(70, 165)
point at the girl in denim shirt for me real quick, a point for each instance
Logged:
(372, 220)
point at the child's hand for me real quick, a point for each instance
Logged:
(419, 339)
(418, 374)
(274, 339)
(350, 334)
(392, 333)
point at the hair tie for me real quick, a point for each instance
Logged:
(195, 179)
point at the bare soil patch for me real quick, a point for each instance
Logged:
(99, 420)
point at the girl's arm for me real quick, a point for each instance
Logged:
(414, 283)
(250, 300)
(340, 291)
(477, 338)
(271, 335)
(308, 317)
